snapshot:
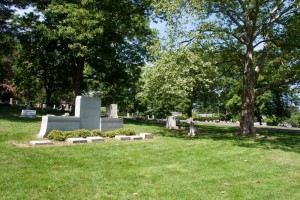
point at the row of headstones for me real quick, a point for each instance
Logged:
(142, 136)
(134, 116)
(65, 107)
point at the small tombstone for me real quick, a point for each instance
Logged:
(153, 117)
(136, 137)
(67, 107)
(171, 122)
(40, 142)
(146, 135)
(76, 140)
(28, 114)
(113, 111)
(128, 114)
(192, 130)
(11, 101)
(95, 139)
(122, 137)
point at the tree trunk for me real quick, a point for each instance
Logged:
(77, 81)
(248, 96)
(48, 97)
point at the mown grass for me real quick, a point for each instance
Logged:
(216, 165)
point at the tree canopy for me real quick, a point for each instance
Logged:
(177, 81)
(110, 38)
(250, 34)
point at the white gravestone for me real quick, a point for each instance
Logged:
(28, 114)
(113, 111)
(171, 122)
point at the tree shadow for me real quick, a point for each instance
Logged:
(266, 139)
(140, 122)
(12, 113)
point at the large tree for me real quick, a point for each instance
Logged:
(87, 32)
(7, 45)
(248, 30)
(177, 81)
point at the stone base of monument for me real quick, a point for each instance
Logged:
(40, 142)
(62, 123)
(135, 137)
(122, 137)
(107, 124)
(76, 140)
(95, 139)
(146, 135)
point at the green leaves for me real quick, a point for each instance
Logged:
(174, 81)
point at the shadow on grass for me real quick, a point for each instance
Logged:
(267, 139)
(12, 113)
(144, 122)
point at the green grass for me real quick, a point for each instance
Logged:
(215, 165)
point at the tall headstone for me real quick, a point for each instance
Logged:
(88, 110)
(113, 111)
(11, 101)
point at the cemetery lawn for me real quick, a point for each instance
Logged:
(215, 165)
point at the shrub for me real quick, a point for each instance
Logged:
(63, 135)
(97, 132)
(69, 134)
(125, 131)
(120, 131)
(110, 134)
(82, 133)
(56, 135)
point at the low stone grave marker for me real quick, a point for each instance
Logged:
(135, 137)
(95, 139)
(146, 135)
(40, 142)
(122, 137)
(28, 114)
(76, 140)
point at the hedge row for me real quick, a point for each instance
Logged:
(63, 135)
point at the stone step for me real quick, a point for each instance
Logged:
(146, 135)
(135, 137)
(76, 140)
(40, 142)
(122, 137)
(95, 139)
